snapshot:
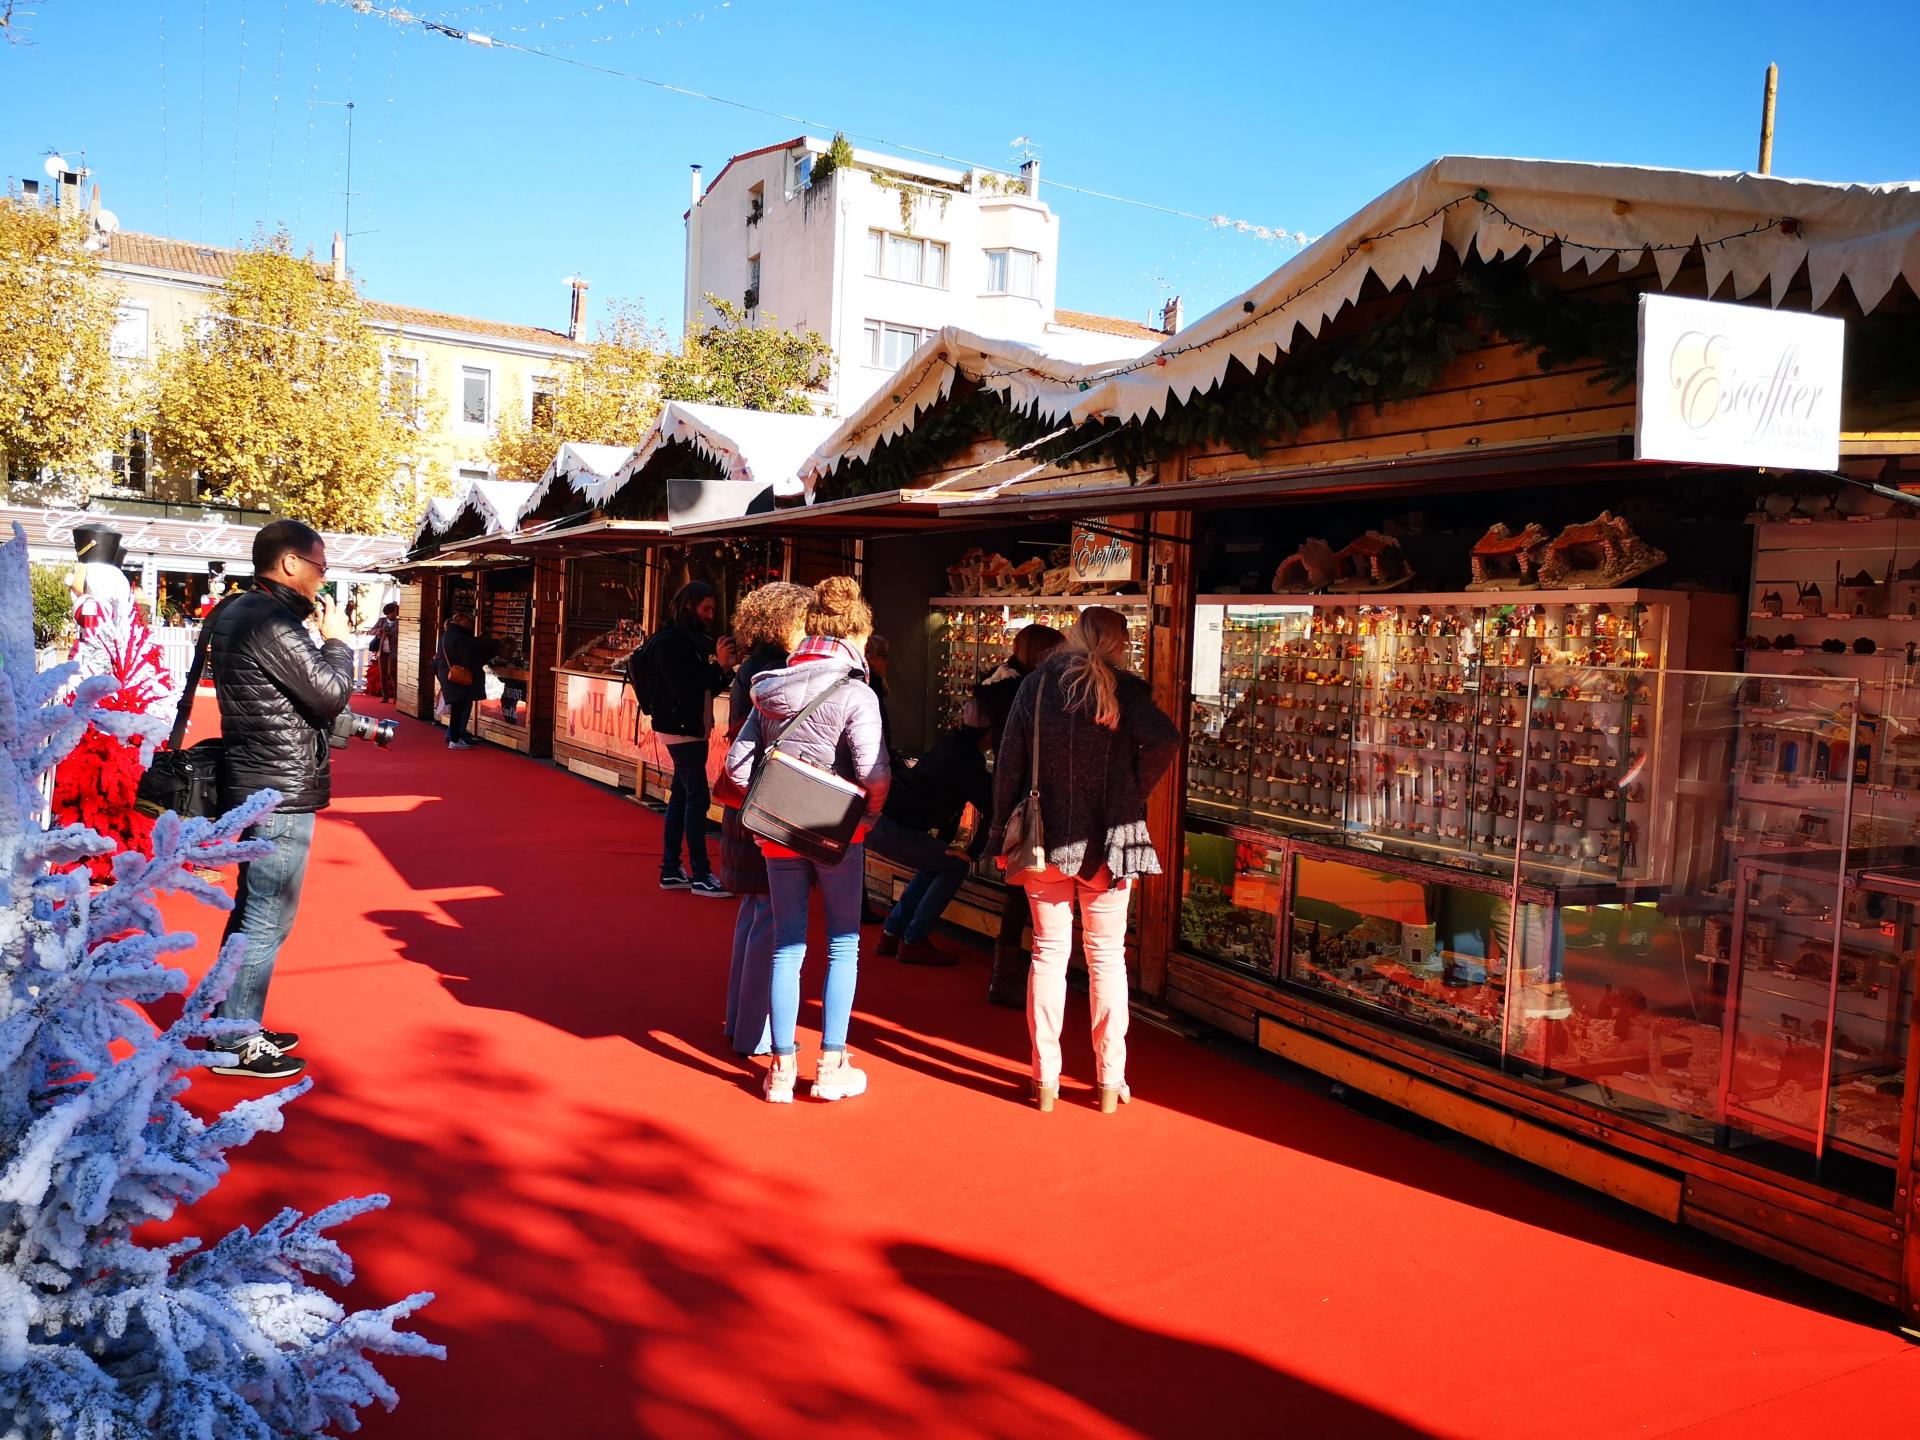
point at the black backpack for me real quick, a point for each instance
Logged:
(641, 677)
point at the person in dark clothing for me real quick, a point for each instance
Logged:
(460, 649)
(383, 677)
(917, 827)
(992, 700)
(769, 624)
(278, 693)
(678, 673)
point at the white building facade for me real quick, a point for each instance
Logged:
(876, 256)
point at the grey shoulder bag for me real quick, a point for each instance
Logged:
(809, 810)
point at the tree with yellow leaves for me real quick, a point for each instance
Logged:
(608, 398)
(64, 403)
(275, 398)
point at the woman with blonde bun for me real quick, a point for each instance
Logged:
(842, 734)
(1103, 744)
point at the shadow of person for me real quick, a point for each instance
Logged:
(1147, 1380)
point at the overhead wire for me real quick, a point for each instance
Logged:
(397, 15)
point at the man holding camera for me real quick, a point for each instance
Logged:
(279, 694)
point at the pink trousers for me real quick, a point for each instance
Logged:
(1103, 935)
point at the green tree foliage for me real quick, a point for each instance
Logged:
(752, 367)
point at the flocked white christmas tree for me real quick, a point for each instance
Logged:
(100, 1335)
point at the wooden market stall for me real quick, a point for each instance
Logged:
(1564, 797)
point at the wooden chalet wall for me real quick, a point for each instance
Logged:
(549, 601)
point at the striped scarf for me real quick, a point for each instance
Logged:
(828, 647)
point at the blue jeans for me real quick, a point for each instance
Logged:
(938, 876)
(266, 899)
(687, 803)
(842, 889)
(750, 980)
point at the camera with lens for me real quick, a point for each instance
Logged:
(350, 725)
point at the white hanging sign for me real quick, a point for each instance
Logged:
(1737, 385)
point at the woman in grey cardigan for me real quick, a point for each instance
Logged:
(1103, 745)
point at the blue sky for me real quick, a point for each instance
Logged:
(483, 178)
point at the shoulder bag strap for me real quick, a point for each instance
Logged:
(1033, 774)
(812, 705)
(194, 672)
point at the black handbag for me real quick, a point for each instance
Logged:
(187, 782)
(796, 804)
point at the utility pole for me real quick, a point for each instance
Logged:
(346, 227)
(1766, 119)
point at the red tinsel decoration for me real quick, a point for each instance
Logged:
(96, 784)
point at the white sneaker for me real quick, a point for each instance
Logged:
(459, 745)
(836, 1078)
(776, 1087)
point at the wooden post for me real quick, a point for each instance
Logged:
(1766, 120)
(549, 598)
(1170, 592)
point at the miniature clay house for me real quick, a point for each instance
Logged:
(1502, 560)
(1601, 553)
(1862, 596)
(1372, 562)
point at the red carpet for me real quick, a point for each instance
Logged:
(517, 1036)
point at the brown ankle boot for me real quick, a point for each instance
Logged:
(1009, 983)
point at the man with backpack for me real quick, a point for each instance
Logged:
(675, 677)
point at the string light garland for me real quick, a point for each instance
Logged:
(166, 166)
(395, 15)
(1254, 315)
(273, 125)
(239, 83)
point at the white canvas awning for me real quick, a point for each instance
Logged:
(496, 502)
(435, 519)
(1753, 231)
(755, 445)
(583, 467)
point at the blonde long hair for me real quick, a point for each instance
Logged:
(1096, 650)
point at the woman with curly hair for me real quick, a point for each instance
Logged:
(768, 624)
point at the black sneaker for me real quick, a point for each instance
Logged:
(674, 880)
(258, 1058)
(282, 1040)
(711, 888)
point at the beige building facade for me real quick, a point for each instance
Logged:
(464, 373)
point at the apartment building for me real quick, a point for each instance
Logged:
(879, 254)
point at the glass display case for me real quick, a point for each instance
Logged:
(1423, 945)
(1405, 720)
(1757, 993)
(1231, 898)
(971, 637)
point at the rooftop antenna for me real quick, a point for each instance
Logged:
(1027, 146)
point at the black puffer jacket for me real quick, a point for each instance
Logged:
(278, 693)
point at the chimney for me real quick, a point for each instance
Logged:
(1030, 173)
(339, 258)
(577, 311)
(1171, 316)
(93, 206)
(693, 196)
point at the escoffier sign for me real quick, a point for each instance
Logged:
(1737, 385)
